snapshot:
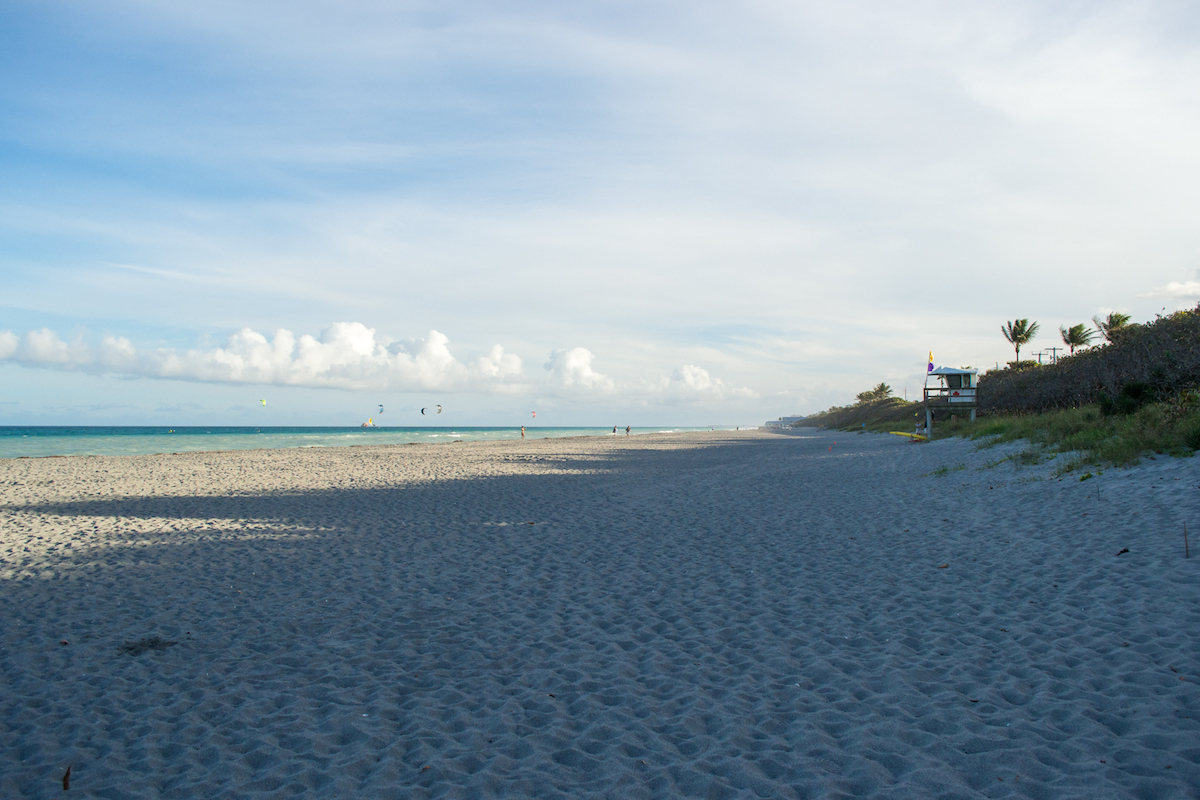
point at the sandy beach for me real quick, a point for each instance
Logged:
(714, 615)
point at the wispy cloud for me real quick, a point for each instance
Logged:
(161, 273)
(596, 185)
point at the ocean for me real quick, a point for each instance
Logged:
(42, 441)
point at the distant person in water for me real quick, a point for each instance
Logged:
(522, 431)
(626, 430)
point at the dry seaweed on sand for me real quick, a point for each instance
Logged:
(142, 645)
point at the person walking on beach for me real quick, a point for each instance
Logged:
(614, 430)
(522, 431)
(626, 430)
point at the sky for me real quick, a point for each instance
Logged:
(671, 213)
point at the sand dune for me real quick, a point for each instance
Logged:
(717, 615)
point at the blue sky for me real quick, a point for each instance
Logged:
(677, 213)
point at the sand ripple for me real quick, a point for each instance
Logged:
(707, 615)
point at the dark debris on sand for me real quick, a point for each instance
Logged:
(142, 645)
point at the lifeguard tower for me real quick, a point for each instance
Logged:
(955, 393)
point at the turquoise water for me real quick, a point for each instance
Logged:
(40, 441)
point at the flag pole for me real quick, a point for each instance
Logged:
(925, 398)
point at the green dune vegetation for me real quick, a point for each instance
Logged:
(1135, 394)
(876, 415)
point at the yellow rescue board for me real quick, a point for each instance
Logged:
(909, 435)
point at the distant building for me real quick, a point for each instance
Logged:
(783, 422)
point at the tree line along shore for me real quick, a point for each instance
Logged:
(1135, 394)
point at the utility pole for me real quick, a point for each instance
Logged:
(1054, 353)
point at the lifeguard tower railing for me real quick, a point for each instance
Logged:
(946, 395)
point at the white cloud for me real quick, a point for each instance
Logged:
(690, 382)
(351, 356)
(572, 370)
(499, 364)
(348, 355)
(695, 378)
(1183, 290)
(44, 346)
(643, 180)
(8, 344)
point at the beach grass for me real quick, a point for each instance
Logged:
(1088, 435)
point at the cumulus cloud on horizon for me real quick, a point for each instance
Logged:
(572, 370)
(1182, 290)
(350, 356)
(347, 355)
(690, 380)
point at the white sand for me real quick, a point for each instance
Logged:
(710, 615)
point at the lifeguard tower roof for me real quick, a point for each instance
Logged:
(953, 371)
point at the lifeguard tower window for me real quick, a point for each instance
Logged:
(954, 381)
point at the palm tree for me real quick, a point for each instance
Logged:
(1076, 336)
(1112, 326)
(877, 393)
(1019, 332)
